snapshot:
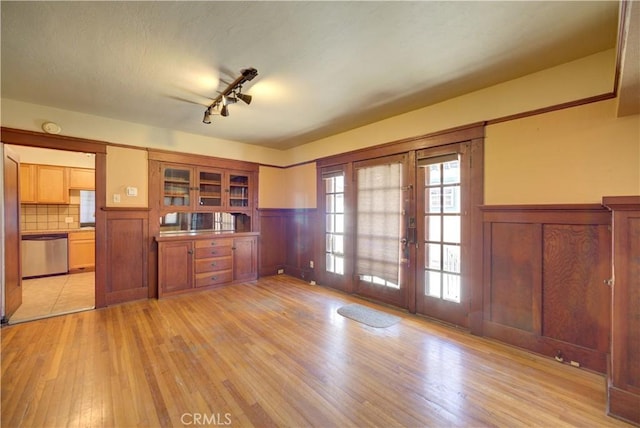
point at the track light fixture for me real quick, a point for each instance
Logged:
(230, 95)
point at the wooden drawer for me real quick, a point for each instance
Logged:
(213, 265)
(80, 236)
(214, 243)
(213, 278)
(209, 252)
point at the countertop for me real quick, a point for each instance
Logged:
(44, 232)
(179, 236)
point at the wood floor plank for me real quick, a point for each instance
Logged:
(274, 352)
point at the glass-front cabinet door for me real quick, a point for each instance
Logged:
(210, 186)
(239, 187)
(176, 186)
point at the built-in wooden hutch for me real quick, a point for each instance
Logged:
(203, 218)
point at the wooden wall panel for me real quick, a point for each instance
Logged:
(127, 255)
(515, 256)
(544, 277)
(633, 304)
(624, 374)
(273, 243)
(300, 252)
(286, 242)
(576, 302)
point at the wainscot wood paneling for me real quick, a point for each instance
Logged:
(514, 256)
(545, 272)
(273, 251)
(127, 255)
(286, 242)
(624, 374)
(576, 262)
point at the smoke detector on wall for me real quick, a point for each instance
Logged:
(51, 128)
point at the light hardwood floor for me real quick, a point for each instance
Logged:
(276, 353)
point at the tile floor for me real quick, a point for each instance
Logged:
(55, 295)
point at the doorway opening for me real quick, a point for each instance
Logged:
(56, 191)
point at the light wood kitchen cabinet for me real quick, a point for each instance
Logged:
(27, 183)
(52, 184)
(190, 263)
(82, 178)
(82, 250)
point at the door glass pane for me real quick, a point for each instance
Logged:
(433, 198)
(432, 287)
(433, 228)
(433, 256)
(339, 203)
(451, 199)
(338, 244)
(330, 206)
(339, 223)
(451, 258)
(433, 174)
(451, 287)
(451, 172)
(451, 226)
(330, 226)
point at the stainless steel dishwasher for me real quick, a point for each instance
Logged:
(44, 254)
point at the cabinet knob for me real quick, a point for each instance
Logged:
(213, 252)
(213, 264)
(213, 278)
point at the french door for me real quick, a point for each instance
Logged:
(400, 229)
(382, 252)
(442, 288)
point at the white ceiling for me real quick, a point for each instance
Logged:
(324, 67)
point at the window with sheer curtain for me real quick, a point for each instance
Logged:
(379, 220)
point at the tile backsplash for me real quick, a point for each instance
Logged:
(49, 217)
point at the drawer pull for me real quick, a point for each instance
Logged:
(213, 243)
(213, 252)
(213, 264)
(213, 278)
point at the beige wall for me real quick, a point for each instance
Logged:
(575, 155)
(127, 168)
(293, 187)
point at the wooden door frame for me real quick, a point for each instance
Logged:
(20, 137)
